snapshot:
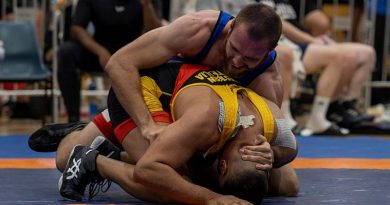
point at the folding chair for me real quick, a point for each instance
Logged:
(22, 62)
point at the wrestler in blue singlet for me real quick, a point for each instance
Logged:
(223, 19)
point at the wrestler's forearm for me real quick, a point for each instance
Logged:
(282, 155)
(126, 84)
(165, 181)
(122, 174)
(269, 84)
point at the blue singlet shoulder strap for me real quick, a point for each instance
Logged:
(218, 28)
(251, 75)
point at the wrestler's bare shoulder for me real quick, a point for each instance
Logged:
(204, 18)
(277, 113)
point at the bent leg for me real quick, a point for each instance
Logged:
(336, 68)
(83, 137)
(285, 55)
(364, 57)
(269, 84)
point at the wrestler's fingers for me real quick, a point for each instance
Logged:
(257, 148)
(260, 139)
(263, 167)
(257, 152)
(258, 156)
(257, 159)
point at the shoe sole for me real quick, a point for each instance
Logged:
(51, 146)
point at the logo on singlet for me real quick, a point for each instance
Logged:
(213, 76)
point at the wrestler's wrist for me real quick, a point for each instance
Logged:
(144, 120)
(147, 127)
(144, 127)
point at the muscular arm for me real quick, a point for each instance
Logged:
(269, 84)
(282, 151)
(194, 132)
(283, 147)
(151, 49)
(282, 155)
(158, 168)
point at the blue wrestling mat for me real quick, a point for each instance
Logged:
(344, 147)
(318, 185)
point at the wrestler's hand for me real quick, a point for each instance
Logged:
(260, 152)
(227, 200)
(152, 131)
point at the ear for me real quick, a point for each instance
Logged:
(233, 23)
(222, 167)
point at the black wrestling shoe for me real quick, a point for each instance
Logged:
(347, 118)
(79, 172)
(97, 183)
(335, 112)
(297, 108)
(106, 148)
(351, 106)
(48, 137)
(334, 130)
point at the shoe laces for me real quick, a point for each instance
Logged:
(98, 185)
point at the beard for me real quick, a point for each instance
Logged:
(229, 69)
(232, 71)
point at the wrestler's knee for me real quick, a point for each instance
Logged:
(369, 54)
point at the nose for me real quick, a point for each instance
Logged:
(238, 61)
